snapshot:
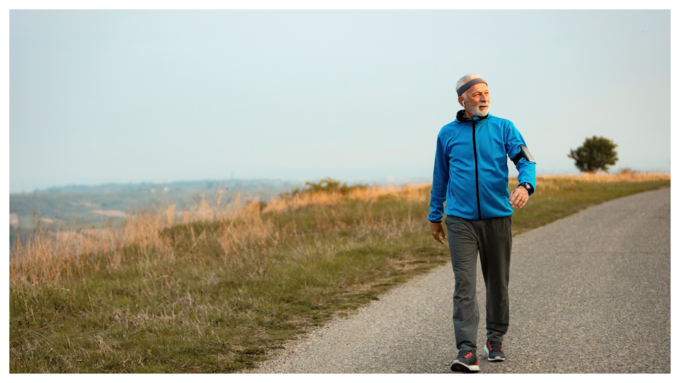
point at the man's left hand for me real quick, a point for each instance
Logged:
(519, 197)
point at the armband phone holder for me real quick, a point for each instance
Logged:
(523, 153)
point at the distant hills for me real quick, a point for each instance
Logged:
(96, 205)
(258, 185)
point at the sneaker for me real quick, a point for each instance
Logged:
(465, 362)
(494, 350)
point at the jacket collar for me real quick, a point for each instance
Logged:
(460, 116)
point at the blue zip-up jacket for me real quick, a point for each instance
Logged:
(471, 168)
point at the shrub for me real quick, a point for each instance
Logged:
(596, 153)
(327, 185)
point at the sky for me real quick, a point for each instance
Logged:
(140, 96)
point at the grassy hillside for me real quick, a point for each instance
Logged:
(221, 288)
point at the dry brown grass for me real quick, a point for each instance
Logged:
(625, 175)
(552, 181)
(285, 203)
(50, 256)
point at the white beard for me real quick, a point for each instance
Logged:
(476, 112)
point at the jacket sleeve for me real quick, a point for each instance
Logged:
(526, 169)
(440, 181)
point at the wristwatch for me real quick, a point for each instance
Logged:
(527, 186)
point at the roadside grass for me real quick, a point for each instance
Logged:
(561, 196)
(224, 289)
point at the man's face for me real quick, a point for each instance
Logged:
(477, 100)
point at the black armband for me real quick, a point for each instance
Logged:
(523, 153)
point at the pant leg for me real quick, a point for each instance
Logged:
(495, 245)
(463, 245)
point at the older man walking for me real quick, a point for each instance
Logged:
(471, 175)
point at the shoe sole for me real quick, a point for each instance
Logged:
(496, 359)
(458, 366)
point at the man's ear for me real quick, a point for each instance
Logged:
(461, 101)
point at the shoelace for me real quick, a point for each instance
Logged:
(497, 346)
(463, 353)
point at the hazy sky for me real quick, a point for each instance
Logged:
(132, 96)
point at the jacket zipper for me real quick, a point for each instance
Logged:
(474, 149)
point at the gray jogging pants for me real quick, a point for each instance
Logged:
(492, 238)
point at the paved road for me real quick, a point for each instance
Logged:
(589, 293)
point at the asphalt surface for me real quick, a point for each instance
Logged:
(589, 293)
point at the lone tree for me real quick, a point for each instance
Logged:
(596, 153)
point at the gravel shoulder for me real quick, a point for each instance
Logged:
(594, 285)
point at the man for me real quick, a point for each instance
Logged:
(471, 175)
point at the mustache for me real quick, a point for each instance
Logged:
(483, 104)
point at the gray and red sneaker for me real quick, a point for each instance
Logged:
(465, 362)
(494, 350)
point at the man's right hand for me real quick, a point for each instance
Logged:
(438, 231)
